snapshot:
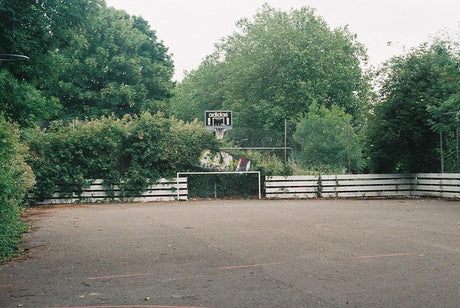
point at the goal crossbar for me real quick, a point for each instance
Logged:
(221, 172)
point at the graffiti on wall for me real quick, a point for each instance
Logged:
(223, 161)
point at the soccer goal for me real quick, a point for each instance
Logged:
(223, 184)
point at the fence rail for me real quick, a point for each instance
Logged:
(364, 185)
(284, 187)
(161, 190)
(444, 185)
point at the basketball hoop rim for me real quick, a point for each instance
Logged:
(10, 57)
(220, 131)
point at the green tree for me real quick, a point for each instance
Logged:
(115, 65)
(203, 89)
(86, 60)
(273, 68)
(328, 141)
(418, 92)
(23, 103)
(37, 29)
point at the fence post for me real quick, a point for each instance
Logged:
(336, 186)
(320, 186)
(177, 187)
(441, 186)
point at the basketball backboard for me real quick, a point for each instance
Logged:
(218, 121)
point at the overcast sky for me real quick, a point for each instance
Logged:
(190, 28)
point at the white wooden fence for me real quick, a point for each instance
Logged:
(162, 190)
(364, 185)
(444, 185)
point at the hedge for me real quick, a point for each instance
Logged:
(16, 178)
(130, 150)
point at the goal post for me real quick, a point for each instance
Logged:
(179, 174)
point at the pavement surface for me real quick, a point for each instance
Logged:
(251, 253)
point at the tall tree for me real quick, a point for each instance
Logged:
(87, 58)
(37, 29)
(419, 91)
(23, 103)
(115, 65)
(273, 68)
(328, 142)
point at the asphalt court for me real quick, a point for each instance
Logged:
(245, 253)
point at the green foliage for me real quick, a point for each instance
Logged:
(269, 163)
(187, 141)
(127, 152)
(69, 154)
(15, 178)
(40, 30)
(23, 103)
(327, 139)
(450, 155)
(203, 89)
(273, 68)
(86, 60)
(419, 99)
(115, 65)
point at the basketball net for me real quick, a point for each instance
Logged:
(219, 132)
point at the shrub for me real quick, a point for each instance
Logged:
(270, 164)
(126, 152)
(16, 178)
(69, 155)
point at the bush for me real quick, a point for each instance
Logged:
(15, 179)
(270, 163)
(68, 155)
(127, 151)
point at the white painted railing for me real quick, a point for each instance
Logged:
(301, 186)
(444, 185)
(364, 185)
(162, 190)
